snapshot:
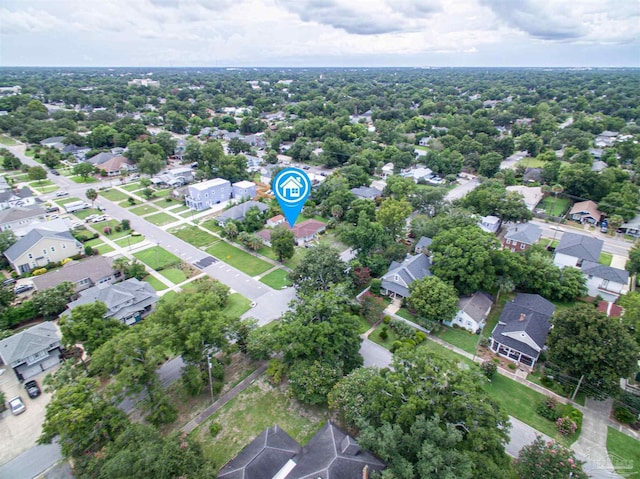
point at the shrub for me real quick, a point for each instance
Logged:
(106, 230)
(420, 337)
(125, 224)
(384, 334)
(546, 381)
(275, 371)
(39, 271)
(511, 366)
(566, 426)
(214, 429)
(131, 201)
(484, 343)
(396, 345)
(402, 329)
(386, 319)
(623, 415)
(65, 261)
(375, 286)
(118, 228)
(488, 368)
(496, 360)
(548, 409)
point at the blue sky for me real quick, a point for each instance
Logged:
(598, 33)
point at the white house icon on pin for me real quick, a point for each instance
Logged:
(290, 188)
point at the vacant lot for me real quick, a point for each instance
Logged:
(144, 209)
(5, 140)
(238, 259)
(157, 257)
(130, 240)
(459, 337)
(277, 279)
(194, 236)
(114, 195)
(555, 206)
(258, 407)
(161, 219)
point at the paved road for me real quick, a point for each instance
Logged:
(31, 463)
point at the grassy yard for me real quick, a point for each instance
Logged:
(179, 209)
(459, 337)
(555, 206)
(161, 193)
(105, 248)
(45, 189)
(624, 452)
(130, 240)
(144, 209)
(155, 283)
(385, 343)
(194, 236)
(404, 313)
(82, 214)
(82, 180)
(277, 279)
(94, 242)
(238, 305)
(238, 259)
(114, 195)
(161, 219)
(5, 140)
(157, 257)
(258, 407)
(175, 275)
(605, 258)
(531, 163)
(212, 225)
(132, 187)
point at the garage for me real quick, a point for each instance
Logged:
(30, 371)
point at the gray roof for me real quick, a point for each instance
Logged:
(263, 457)
(93, 268)
(411, 269)
(580, 246)
(21, 212)
(28, 342)
(238, 212)
(101, 158)
(116, 296)
(52, 139)
(532, 174)
(366, 192)
(32, 238)
(632, 223)
(332, 454)
(527, 313)
(423, 242)
(476, 306)
(18, 193)
(527, 233)
(605, 272)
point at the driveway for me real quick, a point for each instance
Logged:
(20, 433)
(462, 189)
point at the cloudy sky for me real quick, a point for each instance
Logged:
(222, 33)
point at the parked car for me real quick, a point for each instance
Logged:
(54, 172)
(8, 282)
(604, 226)
(90, 218)
(52, 209)
(59, 194)
(23, 288)
(32, 388)
(100, 208)
(17, 406)
(98, 219)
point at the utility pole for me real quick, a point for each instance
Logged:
(209, 369)
(575, 393)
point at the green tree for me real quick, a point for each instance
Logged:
(433, 300)
(83, 170)
(230, 229)
(633, 263)
(319, 270)
(166, 142)
(53, 301)
(489, 164)
(584, 341)
(631, 317)
(81, 419)
(88, 326)
(7, 239)
(252, 220)
(151, 164)
(465, 257)
(37, 173)
(282, 242)
(92, 195)
(548, 460)
(311, 381)
(130, 268)
(393, 214)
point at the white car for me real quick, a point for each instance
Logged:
(90, 218)
(61, 193)
(98, 219)
(17, 406)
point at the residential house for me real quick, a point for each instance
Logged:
(472, 312)
(114, 165)
(40, 247)
(522, 328)
(185, 173)
(256, 140)
(180, 149)
(419, 174)
(254, 163)
(520, 236)
(599, 166)
(78, 152)
(631, 227)
(366, 193)
(606, 138)
(574, 249)
(330, 454)
(57, 225)
(53, 142)
(396, 281)
(32, 350)
(532, 195)
(83, 274)
(585, 212)
(490, 224)
(303, 233)
(532, 175)
(422, 246)
(18, 217)
(174, 178)
(604, 281)
(238, 212)
(387, 170)
(596, 153)
(275, 221)
(425, 141)
(129, 301)
(204, 195)
(12, 198)
(101, 158)
(243, 190)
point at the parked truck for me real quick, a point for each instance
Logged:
(76, 206)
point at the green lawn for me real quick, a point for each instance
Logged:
(277, 279)
(531, 163)
(157, 257)
(385, 343)
(555, 206)
(41, 183)
(82, 214)
(212, 225)
(45, 189)
(155, 283)
(114, 195)
(144, 209)
(194, 236)
(459, 337)
(256, 408)
(175, 275)
(180, 209)
(94, 242)
(105, 248)
(624, 452)
(238, 305)
(237, 258)
(130, 240)
(81, 180)
(605, 258)
(161, 193)
(404, 313)
(161, 219)
(132, 187)
(5, 140)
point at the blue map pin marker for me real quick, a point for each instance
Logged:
(291, 187)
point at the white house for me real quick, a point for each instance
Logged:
(204, 195)
(490, 224)
(573, 249)
(605, 281)
(387, 170)
(472, 312)
(243, 190)
(41, 247)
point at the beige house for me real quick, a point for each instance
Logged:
(40, 247)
